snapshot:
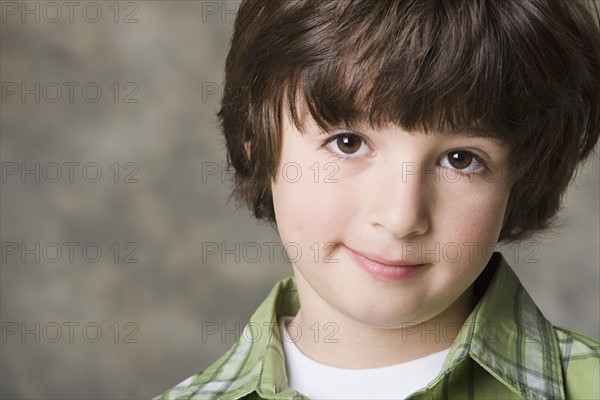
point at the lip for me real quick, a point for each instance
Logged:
(382, 268)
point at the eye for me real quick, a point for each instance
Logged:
(464, 162)
(347, 145)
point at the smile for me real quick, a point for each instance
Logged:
(382, 268)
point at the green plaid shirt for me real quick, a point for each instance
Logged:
(506, 349)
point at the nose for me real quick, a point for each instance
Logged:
(399, 201)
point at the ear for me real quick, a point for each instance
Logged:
(247, 148)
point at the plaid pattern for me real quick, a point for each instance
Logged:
(506, 349)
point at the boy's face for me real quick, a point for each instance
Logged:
(394, 197)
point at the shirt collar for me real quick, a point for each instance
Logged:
(506, 334)
(267, 375)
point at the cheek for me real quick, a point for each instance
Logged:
(308, 211)
(476, 218)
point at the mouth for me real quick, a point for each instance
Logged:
(382, 268)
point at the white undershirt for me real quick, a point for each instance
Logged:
(320, 381)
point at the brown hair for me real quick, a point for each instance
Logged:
(524, 71)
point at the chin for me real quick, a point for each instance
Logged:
(388, 318)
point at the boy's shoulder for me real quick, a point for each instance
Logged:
(255, 363)
(580, 357)
(509, 336)
(506, 348)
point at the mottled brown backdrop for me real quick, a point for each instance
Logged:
(113, 195)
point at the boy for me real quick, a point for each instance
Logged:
(424, 132)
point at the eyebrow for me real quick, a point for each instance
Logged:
(481, 134)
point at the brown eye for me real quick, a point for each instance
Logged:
(464, 162)
(349, 144)
(460, 159)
